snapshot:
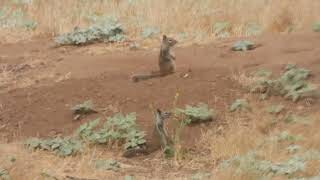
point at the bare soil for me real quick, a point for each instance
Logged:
(48, 81)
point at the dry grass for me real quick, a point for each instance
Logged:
(244, 132)
(249, 131)
(193, 17)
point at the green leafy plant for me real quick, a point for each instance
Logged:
(292, 84)
(169, 152)
(15, 18)
(86, 107)
(239, 105)
(221, 29)
(253, 29)
(117, 128)
(61, 146)
(135, 139)
(316, 27)
(263, 73)
(292, 118)
(293, 148)
(244, 45)
(275, 109)
(22, 1)
(128, 177)
(201, 176)
(287, 136)
(250, 162)
(4, 174)
(107, 165)
(199, 113)
(107, 29)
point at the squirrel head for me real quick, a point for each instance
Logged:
(169, 41)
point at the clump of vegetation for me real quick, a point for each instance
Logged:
(253, 29)
(107, 30)
(15, 18)
(244, 45)
(117, 128)
(201, 176)
(293, 148)
(316, 27)
(287, 136)
(61, 146)
(251, 163)
(4, 174)
(292, 118)
(169, 151)
(82, 109)
(239, 105)
(107, 165)
(275, 109)
(221, 29)
(196, 114)
(291, 85)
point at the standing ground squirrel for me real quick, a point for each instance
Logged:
(160, 117)
(167, 59)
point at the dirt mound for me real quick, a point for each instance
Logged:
(43, 107)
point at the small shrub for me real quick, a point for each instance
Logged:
(201, 176)
(134, 139)
(4, 174)
(239, 105)
(316, 27)
(253, 29)
(107, 30)
(200, 113)
(127, 177)
(276, 109)
(117, 128)
(286, 136)
(293, 148)
(169, 152)
(244, 45)
(221, 29)
(107, 165)
(15, 18)
(62, 147)
(82, 109)
(292, 84)
(292, 118)
(264, 168)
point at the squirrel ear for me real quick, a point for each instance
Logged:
(164, 37)
(159, 111)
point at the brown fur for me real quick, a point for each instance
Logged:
(167, 63)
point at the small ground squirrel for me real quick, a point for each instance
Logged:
(160, 117)
(167, 59)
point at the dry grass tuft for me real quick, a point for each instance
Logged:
(173, 17)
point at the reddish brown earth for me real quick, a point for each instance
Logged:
(43, 107)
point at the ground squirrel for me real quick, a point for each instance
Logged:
(160, 117)
(167, 63)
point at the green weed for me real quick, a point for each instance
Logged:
(61, 146)
(292, 84)
(195, 114)
(244, 45)
(107, 29)
(239, 105)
